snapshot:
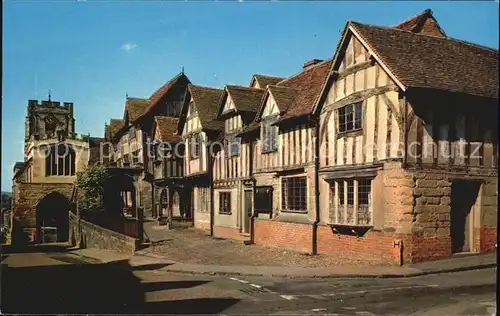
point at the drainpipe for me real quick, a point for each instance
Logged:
(254, 215)
(316, 188)
(210, 187)
(405, 132)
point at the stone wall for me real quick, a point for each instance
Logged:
(26, 197)
(145, 191)
(88, 235)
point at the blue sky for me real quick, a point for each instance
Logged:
(92, 53)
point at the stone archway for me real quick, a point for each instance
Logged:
(52, 218)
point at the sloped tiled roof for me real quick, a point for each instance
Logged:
(423, 23)
(114, 126)
(245, 99)
(423, 61)
(206, 101)
(135, 107)
(266, 80)
(308, 85)
(158, 94)
(284, 96)
(167, 127)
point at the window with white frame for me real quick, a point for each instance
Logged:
(350, 202)
(350, 117)
(203, 200)
(225, 203)
(294, 194)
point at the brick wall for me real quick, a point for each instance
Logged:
(486, 238)
(372, 247)
(288, 235)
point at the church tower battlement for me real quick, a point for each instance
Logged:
(49, 119)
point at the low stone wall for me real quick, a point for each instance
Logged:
(88, 235)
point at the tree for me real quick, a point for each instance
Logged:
(91, 182)
(6, 202)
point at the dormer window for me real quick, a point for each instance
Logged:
(269, 134)
(192, 108)
(233, 145)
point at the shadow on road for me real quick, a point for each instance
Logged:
(93, 288)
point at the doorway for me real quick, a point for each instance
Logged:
(247, 213)
(52, 218)
(464, 194)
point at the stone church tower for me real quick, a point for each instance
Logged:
(43, 182)
(49, 119)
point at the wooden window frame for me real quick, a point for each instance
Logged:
(232, 145)
(268, 140)
(194, 147)
(351, 202)
(203, 200)
(225, 203)
(294, 194)
(346, 124)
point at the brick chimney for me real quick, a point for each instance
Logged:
(308, 64)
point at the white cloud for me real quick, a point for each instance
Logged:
(128, 46)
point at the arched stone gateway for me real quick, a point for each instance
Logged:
(52, 218)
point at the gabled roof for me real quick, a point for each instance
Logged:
(265, 80)
(206, 100)
(308, 85)
(114, 126)
(167, 128)
(423, 61)
(245, 99)
(135, 107)
(422, 23)
(284, 97)
(162, 91)
(295, 96)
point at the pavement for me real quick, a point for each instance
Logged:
(64, 281)
(458, 263)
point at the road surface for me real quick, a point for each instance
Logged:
(59, 283)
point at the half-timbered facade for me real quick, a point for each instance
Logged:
(198, 129)
(233, 186)
(408, 156)
(167, 164)
(133, 137)
(283, 156)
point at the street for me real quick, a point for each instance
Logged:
(58, 282)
